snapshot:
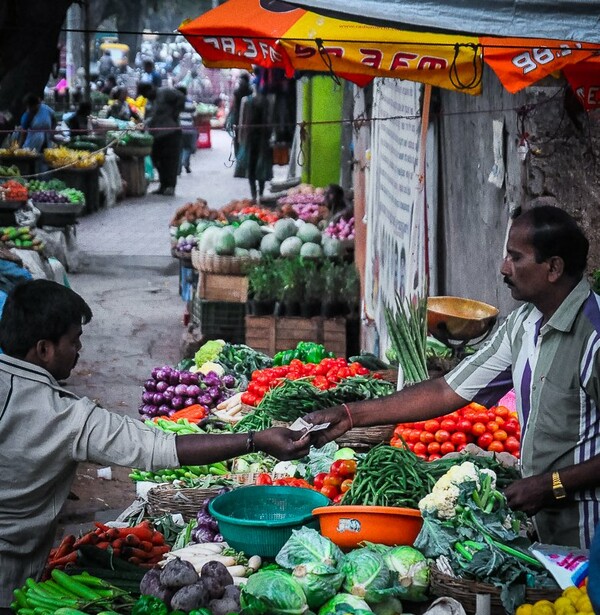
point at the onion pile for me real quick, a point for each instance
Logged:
(169, 390)
(342, 229)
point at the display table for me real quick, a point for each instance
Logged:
(27, 165)
(85, 180)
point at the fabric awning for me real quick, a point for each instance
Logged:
(575, 20)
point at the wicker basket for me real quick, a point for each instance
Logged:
(131, 151)
(212, 263)
(466, 591)
(165, 498)
(365, 438)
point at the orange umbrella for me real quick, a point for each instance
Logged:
(274, 34)
(519, 62)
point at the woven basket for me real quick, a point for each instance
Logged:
(365, 438)
(212, 263)
(131, 151)
(166, 499)
(465, 591)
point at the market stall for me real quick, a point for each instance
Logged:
(385, 528)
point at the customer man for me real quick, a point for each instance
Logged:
(45, 430)
(549, 350)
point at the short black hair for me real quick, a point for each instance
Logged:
(556, 233)
(39, 310)
(31, 100)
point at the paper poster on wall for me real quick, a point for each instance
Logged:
(395, 203)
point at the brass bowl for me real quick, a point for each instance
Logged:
(455, 318)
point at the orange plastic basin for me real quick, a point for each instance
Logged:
(347, 526)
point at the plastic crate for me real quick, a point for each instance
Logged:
(188, 280)
(204, 141)
(220, 319)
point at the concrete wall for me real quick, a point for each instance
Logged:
(473, 213)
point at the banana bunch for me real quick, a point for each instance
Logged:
(78, 159)
(15, 150)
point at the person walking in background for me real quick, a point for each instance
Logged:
(189, 137)
(163, 123)
(255, 154)
(242, 90)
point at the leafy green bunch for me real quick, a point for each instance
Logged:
(466, 519)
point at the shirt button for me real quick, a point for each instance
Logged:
(533, 387)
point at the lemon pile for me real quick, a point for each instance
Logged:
(573, 601)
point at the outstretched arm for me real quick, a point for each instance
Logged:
(422, 401)
(279, 442)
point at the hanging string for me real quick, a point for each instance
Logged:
(456, 79)
(327, 60)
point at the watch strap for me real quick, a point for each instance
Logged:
(558, 488)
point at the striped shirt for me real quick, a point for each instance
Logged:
(45, 431)
(554, 370)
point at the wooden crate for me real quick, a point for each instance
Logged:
(270, 334)
(220, 287)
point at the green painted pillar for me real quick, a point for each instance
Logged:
(322, 153)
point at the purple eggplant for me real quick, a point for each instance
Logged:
(161, 386)
(150, 385)
(158, 399)
(181, 389)
(190, 401)
(147, 397)
(185, 378)
(177, 402)
(193, 390)
(228, 381)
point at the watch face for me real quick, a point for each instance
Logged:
(559, 493)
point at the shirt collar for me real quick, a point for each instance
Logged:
(27, 370)
(565, 315)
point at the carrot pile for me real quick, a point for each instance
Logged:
(141, 545)
(193, 414)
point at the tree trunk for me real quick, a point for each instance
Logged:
(29, 33)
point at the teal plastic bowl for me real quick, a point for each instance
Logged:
(259, 519)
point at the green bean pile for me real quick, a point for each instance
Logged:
(392, 476)
(296, 398)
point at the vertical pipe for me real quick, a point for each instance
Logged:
(86, 48)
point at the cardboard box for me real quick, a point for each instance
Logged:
(270, 334)
(220, 287)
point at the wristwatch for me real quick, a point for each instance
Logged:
(558, 488)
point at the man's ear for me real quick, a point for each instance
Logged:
(556, 268)
(44, 350)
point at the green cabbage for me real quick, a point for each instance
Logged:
(345, 604)
(410, 568)
(315, 563)
(307, 545)
(272, 592)
(367, 576)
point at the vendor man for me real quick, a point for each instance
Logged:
(549, 351)
(45, 430)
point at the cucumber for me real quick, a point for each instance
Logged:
(370, 361)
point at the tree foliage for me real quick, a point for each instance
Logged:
(30, 31)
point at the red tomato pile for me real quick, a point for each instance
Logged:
(266, 215)
(12, 190)
(325, 375)
(495, 429)
(288, 481)
(337, 481)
